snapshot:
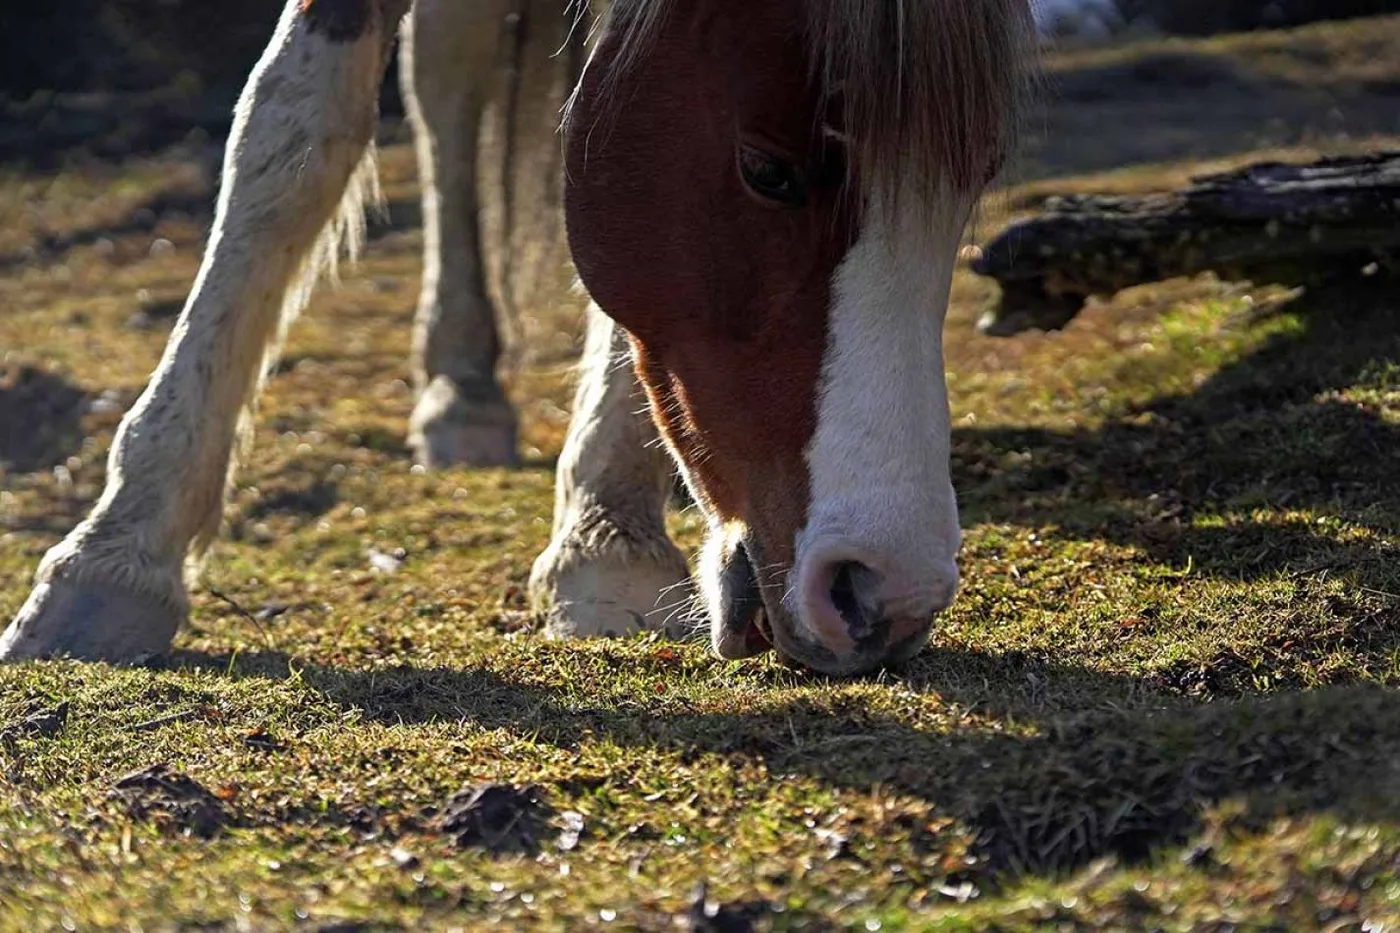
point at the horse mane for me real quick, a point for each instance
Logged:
(930, 91)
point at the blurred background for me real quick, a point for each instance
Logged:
(115, 76)
(1195, 17)
(118, 76)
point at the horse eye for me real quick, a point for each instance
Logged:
(772, 178)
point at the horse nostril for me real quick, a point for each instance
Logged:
(850, 613)
(849, 581)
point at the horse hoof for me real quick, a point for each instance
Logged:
(89, 622)
(583, 592)
(452, 425)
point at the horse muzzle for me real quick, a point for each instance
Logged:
(837, 611)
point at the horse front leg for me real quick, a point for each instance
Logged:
(462, 415)
(610, 568)
(113, 589)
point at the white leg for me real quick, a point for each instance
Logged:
(610, 568)
(113, 588)
(462, 416)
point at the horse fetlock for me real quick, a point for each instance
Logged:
(453, 423)
(87, 619)
(610, 585)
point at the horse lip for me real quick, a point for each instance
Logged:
(743, 629)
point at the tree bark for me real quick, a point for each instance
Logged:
(1269, 222)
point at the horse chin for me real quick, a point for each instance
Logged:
(740, 629)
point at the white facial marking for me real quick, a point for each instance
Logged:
(881, 493)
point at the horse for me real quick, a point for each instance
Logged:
(764, 203)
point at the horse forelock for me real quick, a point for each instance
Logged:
(928, 92)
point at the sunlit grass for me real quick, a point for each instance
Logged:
(1165, 697)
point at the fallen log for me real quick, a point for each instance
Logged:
(1268, 222)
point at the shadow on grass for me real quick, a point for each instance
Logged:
(1167, 106)
(1093, 763)
(1106, 767)
(144, 218)
(198, 206)
(40, 419)
(1269, 431)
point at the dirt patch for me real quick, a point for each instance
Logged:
(497, 817)
(308, 499)
(44, 724)
(171, 800)
(710, 916)
(39, 418)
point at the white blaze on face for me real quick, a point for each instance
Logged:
(881, 493)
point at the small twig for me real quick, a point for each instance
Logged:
(839, 740)
(1315, 568)
(267, 639)
(160, 721)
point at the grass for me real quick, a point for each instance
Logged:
(1165, 699)
(1133, 104)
